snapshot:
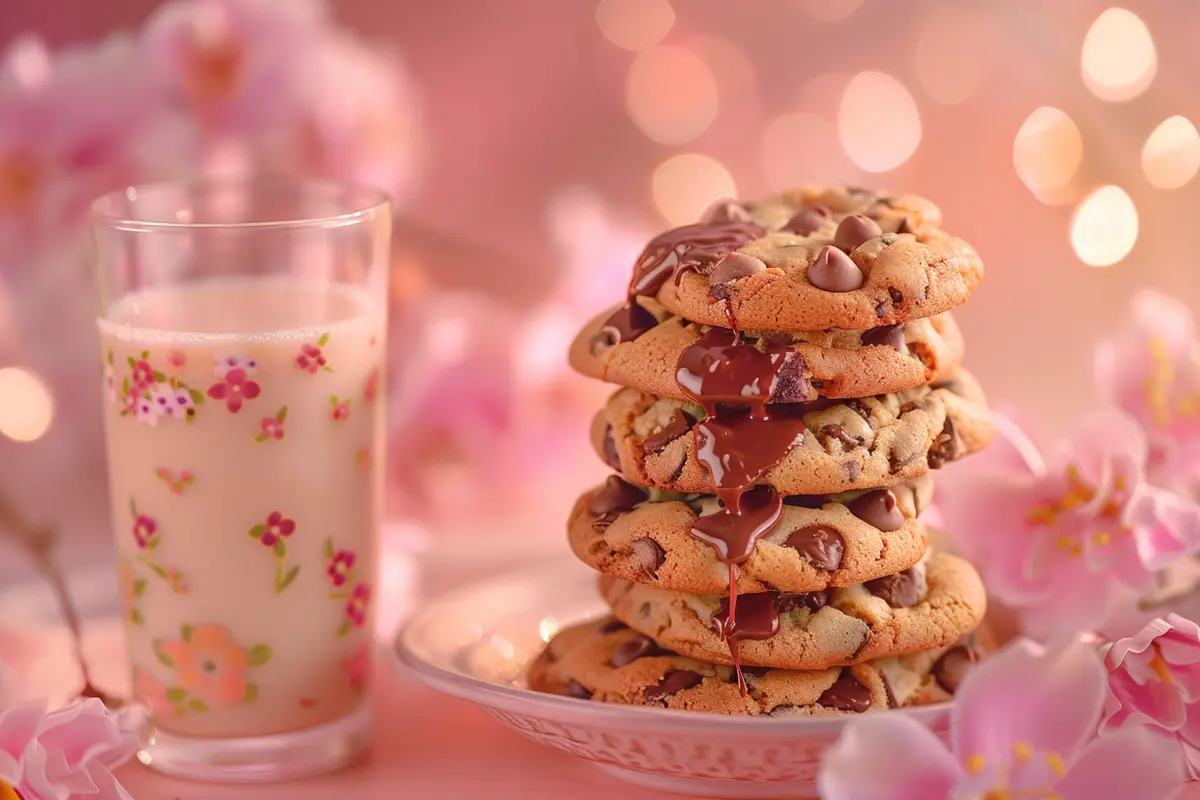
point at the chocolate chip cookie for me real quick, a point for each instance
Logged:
(930, 605)
(605, 661)
(838, 445)
(645, 535)
(831, 363)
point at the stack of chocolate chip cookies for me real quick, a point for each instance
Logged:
(792, 374)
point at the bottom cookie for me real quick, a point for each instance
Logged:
(609, 662)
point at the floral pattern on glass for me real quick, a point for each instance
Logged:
(371, 389)
(272, 428)
(340, 566)
(132, 588)
(210, 668)
(357, 666)
(272, 534)
(311, 359)
(177, 482)
(147, 537)
(148, 395)
(340, 408)
(235, 389)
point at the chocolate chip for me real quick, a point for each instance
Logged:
(726, 210)
(853, 468)
(794, 601)
(903, 453)
(732, 267)
(820, 544)
(881, 309)
(886, 335)
(906, 227)
(808, 221)
(854, 230)
(877, 509)
(602, 523)
(639, 647)
(673, 682)
(648, 554)
(847, 694)
(895, 294)
(617, 495)
(858, 191)
(834, 271)
(887, 688)
(839, 433)
(612, 626)
(858, 407)
(953, 666)
(902, 590)
(806, 500)
(578, 690)
(677, 426)
(907, 407)
(946, 447)
(611, 456)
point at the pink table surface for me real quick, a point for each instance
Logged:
(426, 746)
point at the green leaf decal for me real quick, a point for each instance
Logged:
(135, 616)
(157, 570)
(131, 362)
(257, 531)
(327, 369)
(258, 655)
(251, 693)
(287, 579)
(110, 357)
(333, 401)
(281, 414)
(347, 626)
(145, 355)
(125, 385)
(133, 507)
(139, 587)
(176, 694)
(163, 658)
(196, 704)
(329, 547)
(280, 549)
(160, 377)
(262, 437)
(186, 633)
(151, 544)
(324, 340)
(197, 396)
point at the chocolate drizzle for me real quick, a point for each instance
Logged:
(688, 248)
(738, 440)
(758, 614)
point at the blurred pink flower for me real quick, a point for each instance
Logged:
(1154, 680)
(1059, 541)
(67, 753)
(237, 64)
(1151, 369)
(1022, 725)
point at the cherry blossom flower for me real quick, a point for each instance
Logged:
(145, 529)
(143, 374)
(1151, 370)
(1061, 541)
(340, 566)
(271, 428)
(66, 753)
(235, 389)
(1154, 680)
(1022, 726)
(277, 526)
(341, 409)
(310, 359)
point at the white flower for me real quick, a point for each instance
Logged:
(172, 403)
(110, 381)
(147, 410)
(227, 361)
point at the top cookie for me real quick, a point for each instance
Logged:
(809, 259)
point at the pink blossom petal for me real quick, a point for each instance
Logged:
(1050, 699)
(1131, 764)
(218, 391)
(251, 390)
(1166, 526)
(1078, 601)
(18, 725)
(887, 757)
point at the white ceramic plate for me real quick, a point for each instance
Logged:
(477, 643)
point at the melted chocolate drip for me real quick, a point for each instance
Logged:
(719, 368)
(733, 534)
(677, 426)
(624, 325)
(617, 495)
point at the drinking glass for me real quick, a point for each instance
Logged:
(242, 329)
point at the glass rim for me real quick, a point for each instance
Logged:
(368, 199)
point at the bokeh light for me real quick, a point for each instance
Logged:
(953, 53)
(635, 24)
(1047, 152)
(878, 122)
(1171, 155)
(671, 94)
(830, 10)
(26, 407)
(684, 185)
(803, 148)
(1119, 61)
(1105, 227)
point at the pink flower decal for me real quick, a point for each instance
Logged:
(358, 666)
(1022, 726)
(1062, 541)
(357, 605)
(67, 753)
(1151, 370)
(234, 390)
(272, 534)
(341, 564)
(1154, 680)
(145, 528)
(372, 388)
(341, 409)
(177, 358)
(177, 483)
(143, 374)
(149, 395)
(175, 403)
(152, 694)
(210, 668)
(311, 359)
(272, 428)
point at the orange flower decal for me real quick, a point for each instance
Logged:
(210, 667)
